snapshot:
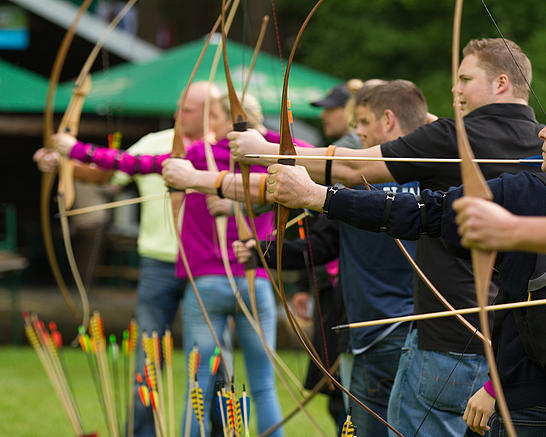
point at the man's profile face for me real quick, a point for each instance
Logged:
(191, 116)
(334, 124)
(219, 121)
(474, 88)
(370, 129)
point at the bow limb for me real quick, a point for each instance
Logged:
(179, 149)
(177, 206)
(240, 123)
(177, 196)
(65, 191)
(287, 148)
(220, 221)
(49, 178)
(263, 28)
(475, 185)
(69, 123)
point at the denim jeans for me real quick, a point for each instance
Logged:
(528, 422)
(420, 386)
(220, 302)
(372, 376)
(158, 295)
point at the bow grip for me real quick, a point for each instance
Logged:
(240, 126)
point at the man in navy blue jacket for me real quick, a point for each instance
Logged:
(518, 335)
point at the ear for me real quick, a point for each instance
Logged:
(502, 84)
(389, 120)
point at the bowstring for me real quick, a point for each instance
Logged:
(310, 259)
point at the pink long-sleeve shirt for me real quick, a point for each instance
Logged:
(199, 236)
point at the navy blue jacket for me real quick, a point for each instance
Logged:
(523, 380)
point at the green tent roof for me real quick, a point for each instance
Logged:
(21, 90)
(152, 88)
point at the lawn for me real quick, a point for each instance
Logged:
(29, 406)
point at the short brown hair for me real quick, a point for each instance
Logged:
(495, 59)
(402, 97)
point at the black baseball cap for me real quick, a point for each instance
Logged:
(336, 97)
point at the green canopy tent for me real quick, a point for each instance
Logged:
(21, 90)
(152, 88)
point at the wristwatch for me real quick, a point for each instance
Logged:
(331, 191)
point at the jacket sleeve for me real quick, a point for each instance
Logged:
(114, 159)
(401, 215)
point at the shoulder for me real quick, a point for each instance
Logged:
(432, 139)
(153, 143)
(351, 141)
(522, 193)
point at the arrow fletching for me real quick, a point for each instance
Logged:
(197, 402)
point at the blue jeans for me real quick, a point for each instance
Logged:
(158, 295)
(372, 377)
(528, 422)
(419, 387)
(220, 302)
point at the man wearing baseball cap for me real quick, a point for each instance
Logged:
(334, 119)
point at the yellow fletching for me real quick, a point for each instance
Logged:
(32, 337)
(238, 415)
(197, 403)
(148, 346)
(231, 418)
(348, 429)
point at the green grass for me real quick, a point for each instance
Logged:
(29, 406)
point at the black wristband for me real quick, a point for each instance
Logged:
(329, 194)
(387, 211)
(423, 212)
(89, 154)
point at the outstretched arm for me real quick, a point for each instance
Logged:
(399, 215)
(347, 172)
(181, 174)
(47, 161)
(107, 159)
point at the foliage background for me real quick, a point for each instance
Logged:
(409, 39)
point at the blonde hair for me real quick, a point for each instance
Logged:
(355, 85)
(250, 105)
